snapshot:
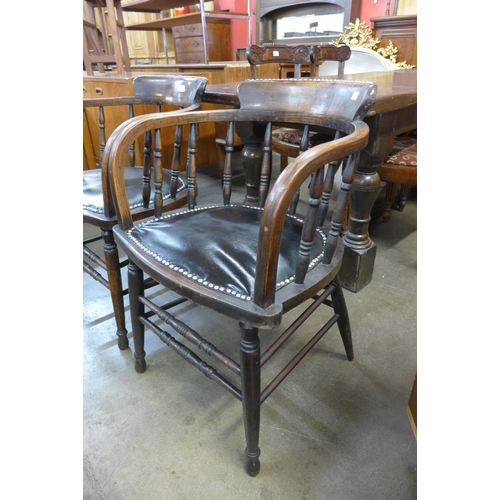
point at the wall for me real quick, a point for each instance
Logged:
(239, 33)
(370, 9)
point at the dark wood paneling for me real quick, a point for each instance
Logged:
(402, 30)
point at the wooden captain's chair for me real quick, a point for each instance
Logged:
(172, 92)
(245, 263)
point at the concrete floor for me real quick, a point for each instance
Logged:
(332, 430)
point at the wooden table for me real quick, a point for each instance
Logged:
(393, 112)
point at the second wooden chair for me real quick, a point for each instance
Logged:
(146, 193)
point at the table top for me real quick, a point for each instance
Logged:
(396, 90)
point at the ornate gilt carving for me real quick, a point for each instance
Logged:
(359, 35)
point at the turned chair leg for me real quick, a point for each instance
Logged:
(403, 197)
(250, 389)
(136, 289)
(115, 286)
(390, 193)
(340, 307)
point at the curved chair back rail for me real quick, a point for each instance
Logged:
(171, 89)
(346, 101)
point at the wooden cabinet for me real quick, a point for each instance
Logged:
(107, 85)
(188, 40)
(212, 26)
(402, 31)
(217, 72)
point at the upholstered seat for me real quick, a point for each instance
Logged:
(400, 167)
(405, 157)
(93, 199)
(223, 261)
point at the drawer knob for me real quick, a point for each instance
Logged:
(99, 91)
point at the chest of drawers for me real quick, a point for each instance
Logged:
(188, 40)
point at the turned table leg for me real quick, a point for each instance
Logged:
(252, 136)
(359, 255)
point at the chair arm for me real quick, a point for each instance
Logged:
(281, 196)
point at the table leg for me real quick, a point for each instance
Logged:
(360, 250)
(251, 157)
(359, 254)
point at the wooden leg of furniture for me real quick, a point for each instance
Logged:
(115, 286)
(403, 197)
(390, 193)
(340, 308)
(250, 390)
(412, 407)
(359, 253)
(136, 289)
(251, 157)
